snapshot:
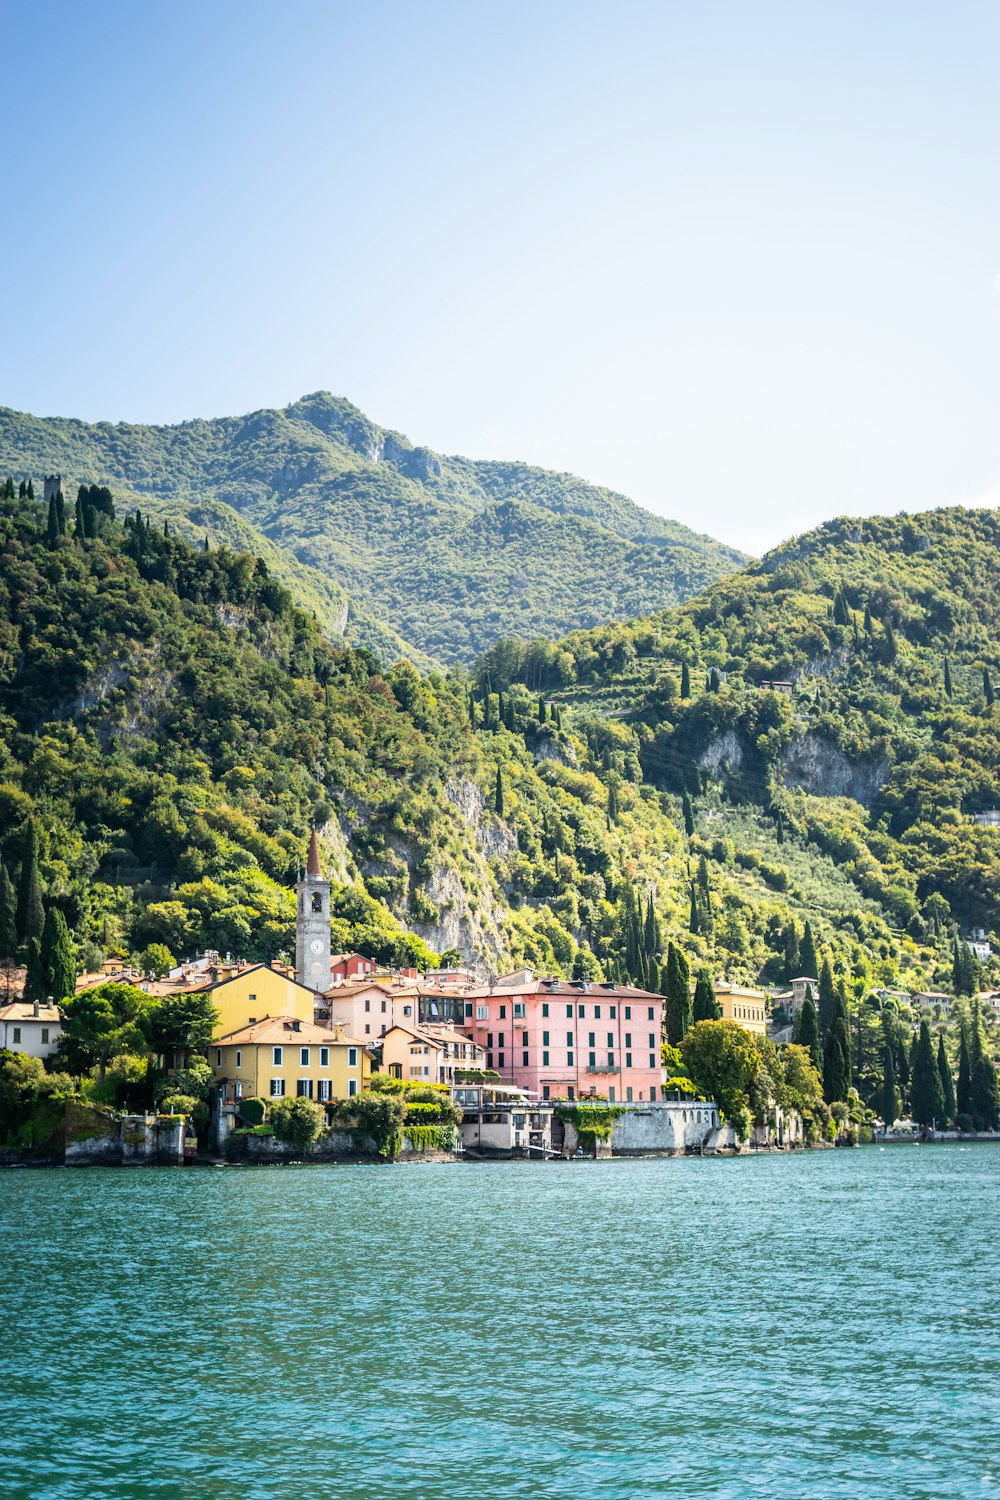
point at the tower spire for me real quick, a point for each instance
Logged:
(312, 863)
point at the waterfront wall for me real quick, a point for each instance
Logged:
(95, 1138)
(668, 1129)
(339, 1145)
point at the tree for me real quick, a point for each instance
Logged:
(926, 1100)
(949, 690)
(947, 1082)
(101, 1024)
(30, 910)
(498, 800)
(297, 1121)
(987, 687)
(808, 957)
(694, 924)
(688, 811)
(705, 1006)
(175, 1025)
(34, 973)
(723, 1061)
(836, 1069)
(963, 1093)
(8, 915)
(985, 1095)
(52, 527)
(677, 990)
(685, 680)
(827, 997)
(841, 612)
(966, 972)
(808, 1031)
(58, 961)
(156, 960)
(793, 963)
(890, 1097)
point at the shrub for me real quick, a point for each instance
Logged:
(252, 1111)
(377, 1117)
(297, 1121)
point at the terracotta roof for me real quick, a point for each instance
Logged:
(562, 989)
(288, 1031)
(24, 1010)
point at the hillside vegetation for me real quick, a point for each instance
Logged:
(444, 554)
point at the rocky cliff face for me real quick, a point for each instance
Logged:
(815, 766)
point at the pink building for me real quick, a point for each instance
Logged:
(559, 1039)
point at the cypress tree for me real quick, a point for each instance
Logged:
(688, 811)
(869, 626)
(8, 916)
(52, 528)
(807, 954)
(705, 1006)
(542, 710)
(889, 648)
(34, 979)
(889, 1099)
(780, 828)
(651, 932)
(714, 680)
(694, 925)
(677, 990)
(31, 490)
(827, 997)
(653, 976)
(612, 804)
(498, 802)
(840, 1022)
(836, 1078)
(947, 679)
(809, 1031)
(58, 964)
(985, 1096)
(90, 522)
(947, 1082)
(22, 490)
(30, 910)
(792, 960)
(926, 1101)
(987, 687)
(206, 546)
(963, 1093)
(685, 680)
(80, 529)
(61, 513)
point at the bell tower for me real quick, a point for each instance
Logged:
(312, 924)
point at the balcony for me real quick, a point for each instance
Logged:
(605, 1068)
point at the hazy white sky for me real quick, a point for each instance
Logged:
(737, 260)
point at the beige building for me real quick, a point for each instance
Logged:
(429, 1054)
(748, 1008)
(31, 1028)
(286, 1058)
(368, 1010)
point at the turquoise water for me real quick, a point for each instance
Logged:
(816, 1327)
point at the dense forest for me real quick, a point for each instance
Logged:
(174, 721)
(387, 542)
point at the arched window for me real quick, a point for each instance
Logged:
(317, 901)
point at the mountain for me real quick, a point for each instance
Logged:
(393, 546)
(876, 753)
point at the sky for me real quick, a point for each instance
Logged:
(740, 261)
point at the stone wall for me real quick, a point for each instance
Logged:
(667, 1129)
(96, 1138)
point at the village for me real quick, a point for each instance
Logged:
(535, 1067)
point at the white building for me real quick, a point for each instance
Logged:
(29, 1027)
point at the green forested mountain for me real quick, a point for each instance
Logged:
(377, 535)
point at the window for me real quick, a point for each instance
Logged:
(239, 1058)
(368, 1031)
(304, 1088)
(277, 1088)
(546, 1094)
(628, 1059)
(611, 1059)
(650, 1012)
(303, 1057)
(628, 1038)
(652, 1060)
(524, 1038)
(324, 1057)
(251, 999)
(482, 1012)
(45, 1033)
(611, 1039)
(592, 1039)
(611, 1094)
(569, 1039)
(569, 1012)
(569, 1059)
(237, 1091)
(489, 1039)
(468, 1009)
(503, 1012)
(17, 1033)
(570, 1091)
(252, 1020)
(323, 1090)
(317, 902)
(628, 1094)
(407, 1010)
(597, 1012)
(352, 1087)
(545, 1008)
(519, 1010)
(613, 1012)
(652, 1095)
(500, 1060)
(352, 1057)
(489, 1059)
(277, 1056)
(652, 1040)
(545, 1039)
(218, 1057)
(524, 1059)
(383, 1007)
(628, 1012)
(368, 1005)
(580, 1012)
(593, 1059)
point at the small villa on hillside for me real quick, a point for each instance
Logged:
(748, 1008)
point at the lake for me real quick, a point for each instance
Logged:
(823, 1326)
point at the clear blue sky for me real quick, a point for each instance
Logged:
(738, 260)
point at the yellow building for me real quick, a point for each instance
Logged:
(285, 1058)
(748, 1008)
(247, 996)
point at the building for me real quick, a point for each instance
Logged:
(990, 1001)
(245, 996)
(978, 941)
(429, 1055)
(786, 688)
(748, 1008)
(347, 966)
(312, 924)
(988, 819)
(368, 1010)
(30, 1027)
(563, 1039)
(283, 1057)
(499, 1120)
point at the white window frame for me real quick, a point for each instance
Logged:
(482, 1012)
(352, 1057)
(352, 1087)
(304, 1057)
(277, 1057)
(324, 1057)
(277, 1088)
(239, 1057)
